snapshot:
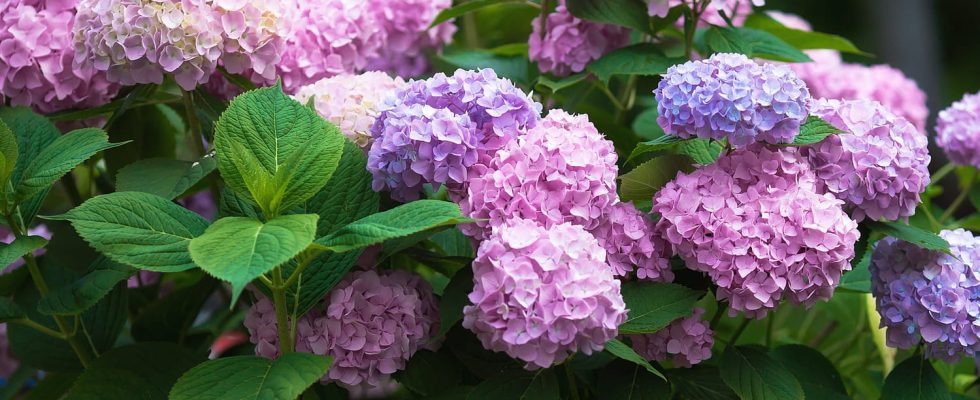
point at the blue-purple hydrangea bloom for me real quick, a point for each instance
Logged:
(730, 96)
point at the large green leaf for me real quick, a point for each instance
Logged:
(646, 179)
(752, 43)
(251, 378)
(702, 151)
(275, 150)
(8, 154)
(153, 131)
(640, 59)
(138, 371)
(138, 229)
(755, 376)
(515, 68)
(518, 385)
(625, 381)
(163, 177)
(702, 382)
(83, 293)
(454, 298)
(816, 374)
(34, 133)
(628, 13)
(467, 7)
(659, 144)
(911, 234)
(53, 386)
(814, 130)
(404, 220)
(239, 249)
(168, 319)
(553, 86)
(19, 247)
(429, 373)
(623, 351)
(914, 379)
(653, 306)
(801, 39)
(60, 157)
(858, 279)
(9, 310)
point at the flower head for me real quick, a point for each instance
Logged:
(562, 170)
(568, 43)
(755, 223)
(541, 294)
(730, 96)
(737, 10)
(405, 24)
(929, 295)
(351, 101)
(37, 57)
(628, 236)
(436, 130)
(686, 341)
(958, 131)
(878, 167)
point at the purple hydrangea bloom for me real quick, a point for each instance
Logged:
(372, 323)
(541, 294)
(260, 321)
(562, 170)
(37, 56)
(628, 236)
(879, 167)
(685, 342)
(568, 44)
(755, 223)
(436, 130)
(351, 102)
(958, 131)
(737, 10)
(929, 295)
(405, 24)
(730, 96)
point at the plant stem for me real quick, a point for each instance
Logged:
(945, 170)
(610, 95)
(936, 226)
(193, 123)
(964, 193)
(40, 328)
(738, 331)
(626, 98)
(282, 320)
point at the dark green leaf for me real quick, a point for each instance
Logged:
(404, 220)
(515, 68)
(701, 382)
(858, 279)
(914, 379)
(163, 177)
(628, 13)
(9, 253)
(142, 370)
(563, 83)
(84, 293)
(911, 234)
(659, 144)
(646, 179)
(752, 43)
(645, 126)
(233, 205)
(654, 305)
(801, 39)
(52, 387)
(755, 376)
(814, 131)
(702, 151)
(8, 154)
(454, 298)
(623, 351)
(467, 7)
(12, 385)
(283, 379)
(169, 318)
(9, 311)
(153, 131)
(63, 154)
(817, 375)
(428, 374)
(640, 59)
(34, 133)
(518, 385)
(624, 381)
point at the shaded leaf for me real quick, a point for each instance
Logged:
(467, 7)
(518, 385)
(914, 379)
(628, 13)
(643, 59)
(801, 39)
(646, 179)
(83, 293)
(142, 370)
(624, 381)
(817, 375)
(454, 298)
(755, 376)
(700, 382)
(911, 234)
(752, 43)
(653, 306)
(283, 379)
(404, 220)
(625, 352)
(163, 177)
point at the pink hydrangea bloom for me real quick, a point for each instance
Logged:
(568, 44)
(685, 342)
(562, 170)
(958, 131)
(878, 168)
(143, 278)
(8, 361)
(740, 9)
(138, 41)
(37, 56)
(541, 294)
(627, 235)
(372, 323)
(405, 24)
(261, 324)
(352, 102)
(755, 223)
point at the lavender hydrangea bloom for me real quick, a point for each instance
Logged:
(373, 322)
(37, 56)
(755, 223)
(436, 130)
(260, 321)
(628, 236)
(929, 295)
(541, 294)
(958, 131)
(351, 101)
(730, 96)
(405, 24)
(685, 342)
(568, 43)
(737, 10)
(879, 167)
(562, 170)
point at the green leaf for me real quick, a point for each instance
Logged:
(85, 292)
(53, 386)
(817, 375)
(233, 205)
(621, 350)
(34, 133)
(454, 298)
(546, 83)
(625, 381)
(8, 154)
(9, 253)
(518, 385)
(153, 131)
(515, 68)
(163, 177)
(643, 59)
(138, 229)
(429, 373)
(9, 311)
(755, 376)
(283, 379)
(239, 249)
(914, 379)
(654, 305)
(911, 234)
(467, 7)
(801, 39)
(169, 318)
(752, 43)
(275, 150)
(628, 13)
(659, 144)
(858, 279)
(645, 126)
(60, 157)
(814, 130)
(702, 151)
(142, 370)
(404, 220)
(702, 382)
(646, 179)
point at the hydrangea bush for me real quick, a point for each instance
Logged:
(558, 199)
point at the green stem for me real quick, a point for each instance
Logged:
(964, 193)
(936, 226)
(193, 123)
(738, 331)
(282, 320)
(296, 273)
(945, 170)
(40, 328)
(609, 94)
(626, 98)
